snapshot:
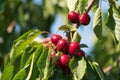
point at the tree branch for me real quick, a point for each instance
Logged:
(88, 7)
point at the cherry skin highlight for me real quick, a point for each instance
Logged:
(55, 38)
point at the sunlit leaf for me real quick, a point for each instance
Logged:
(95, 6)
(43, 64)
(116, 15)
(80, 6)
(76, 37)
(97, 23)
(8, 73)
(71, 4)
(67, 28)
(26, 40)
(78, 67)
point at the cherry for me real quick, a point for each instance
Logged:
(64, 60)
(85, 19)
(80, 53)
(73, 48)
(73, 17)
(62, 45)
(55, 38)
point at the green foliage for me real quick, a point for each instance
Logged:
(78, 68)
(77, 5)
(97, 23)
(35, 62)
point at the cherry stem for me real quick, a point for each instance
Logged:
(88, 7)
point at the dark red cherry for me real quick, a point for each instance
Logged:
(80, 53)
(73, 17)
(64, 60)
(73, 48)
(62, 45)
(55, 38)
(85, 19)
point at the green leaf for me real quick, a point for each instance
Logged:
(21, 75)
(97, 23)
(34, 71)
(90, 71)
(24, 43)
(31, 68)
(98, 70)
(110, 22)
(25, 57)
(8, 73)
(116, 15)
(83, 46)
(76, 37)
(67, 28)
(80, 5)
(95, 6)
(78, 67)
(43, 64)
(71, 4)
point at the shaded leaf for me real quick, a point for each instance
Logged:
(31, 68)
(110, 22)
(97, 23)
(83, 46)
(21, 75)
(98, 70)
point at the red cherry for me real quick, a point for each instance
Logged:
(81, 53)
(85, 19)
(55, 38)
(64, 60)
(73, 17)
(73, 48)
(62, 45)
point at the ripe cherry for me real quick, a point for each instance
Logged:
(62, 45)
(73, 48)
(85, 19)
(73, 17)
(55, 38)
(64, 60)
(80, 53)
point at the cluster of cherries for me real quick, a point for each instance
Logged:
(75, 17)
(68, 50)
